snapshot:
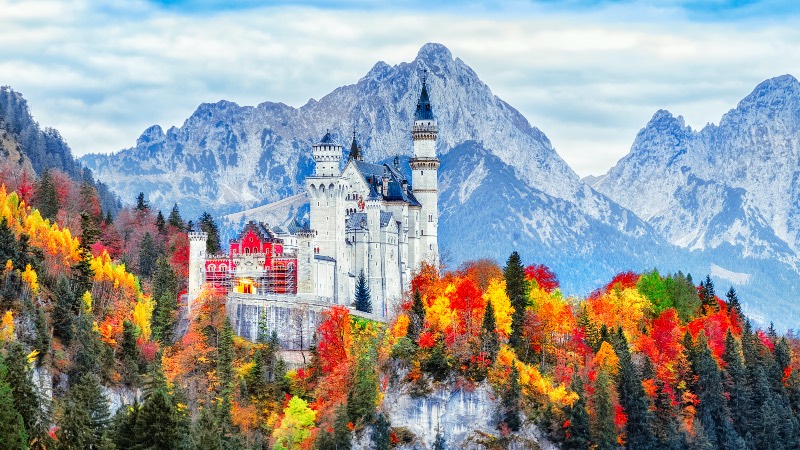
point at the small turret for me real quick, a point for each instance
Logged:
(327, 156)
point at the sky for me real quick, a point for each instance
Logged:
(589, 74)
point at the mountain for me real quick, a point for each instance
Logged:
(27, 146)
(229, 157)
(730, 190)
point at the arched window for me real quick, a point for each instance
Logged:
(223, 268)
(212, 268)
(247, 250)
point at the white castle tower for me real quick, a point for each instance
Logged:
(197, 265)
(327, 191)
(425, 175)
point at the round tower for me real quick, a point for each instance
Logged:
(197, 264)
(425, 177)
(327, 156)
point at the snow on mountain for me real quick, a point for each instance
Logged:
(731, 190)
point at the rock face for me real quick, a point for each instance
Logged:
(459, 415)
(729, 190)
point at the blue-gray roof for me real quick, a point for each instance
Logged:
(386, 217)
(327, 139)
(324, 258)
(356, 222)
(424, 111)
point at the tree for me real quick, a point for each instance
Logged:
(604, 431)
(148, 256)
(734, 306)
(225, 375)
(26, 400)
(510, 402)
(362, 397)
(633, 400)
(141, 203)
(84, 415)
(66, 305)
(363, 301)
(708, 297)
(165, 293)
(489, 334)
(295, 428)
(160, 222)
(208, 225)
(175, 218)
(89, 231)
(46, 197)
(514, 274)
(12, 428)
(416, 317)
(735, 384)
(439, 442)
(206, 435)
(124, 426)
(578, 435)
(159, 424)
(381, 434)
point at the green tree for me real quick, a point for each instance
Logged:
(655, 288)
(491, 344)
(416, 317)
(148, 256)
(363, 395)
(66, 306)
(633, 399)
(604, 431)
(510, 401)
(208, 225)
(708, 296)
(175, 218)
(578, 434)
(381, 433)
(363, 301)
(683, 293)
(26, 400)
(205, 433)
(342, 436)
(46, 197)
(84, 415)
(123, 426)
(9, 247)
(734, 305)
(141, 203)
(437, 362)
(516, 289)
(734, 378)
(165, 293)
(12, 428)
(160, 223)
(159, 424)
(296, 425)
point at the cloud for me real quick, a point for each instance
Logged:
(589, 74)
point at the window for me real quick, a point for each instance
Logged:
(212, 268)
(430, 247)
(247, 251)
(430, 217)
(223, 268)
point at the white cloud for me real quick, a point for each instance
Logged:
(589, 80)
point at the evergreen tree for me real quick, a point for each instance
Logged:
(124, 425)
(26, 400)
(363, 301)
(205, 432)
(13, 435)
(363, 395)
(161, 223)
(381, 434)
(148, 256)
(633, 400)
(85, 415)
(437, 363)
(416, 317)
(175, 218)
(734, 305)
(159, 424)
(516, 290)
(342, 436)
(708, 296)
(87, 347)
(590, 331)
(439, 442)
(491, 344)
(9, 247)
(578, 435)
(165, 293)
(208, 225)
(683, 293)
(141, 203)
(604, 431)
(130, 354)
(89, 232)
(735, 384)
(64, 310)
(46, 198)
(510, 401)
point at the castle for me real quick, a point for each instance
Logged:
(363, 217)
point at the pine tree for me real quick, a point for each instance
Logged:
(734, 305)
(175, 218)
(342, 436)
(489, 333)
(709, 297)
(12, 428)
(9, 247)
(510, 402)
(123, 428)
(578, 434)
(684, 296)
(64, 311)
(437, 363)
(735, 384)
(148, 256)
(381, 434)
(363, 301)
(590, 331)
(208, 225)
(416, 321)
(165, 293)
(633, 400)
(363, 395)
(205, 432)
(130, 354)
(85, 415)
(46, 197)
(89, 231)
(26, 400)
(514, 275)
(141, 203)
(604, 431)
(159, 423)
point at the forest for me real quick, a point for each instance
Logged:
(97, 352)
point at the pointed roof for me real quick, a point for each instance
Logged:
(424, 111)
(355, 149)
(327, 139)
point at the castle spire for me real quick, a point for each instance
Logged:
(355, 149)
(424, 111)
